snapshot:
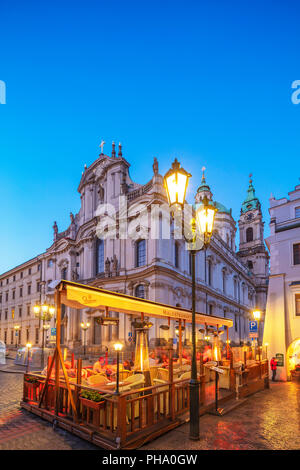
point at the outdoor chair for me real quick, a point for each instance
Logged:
(134, 381)
(163, 374)
(161, 398)
(97, 379)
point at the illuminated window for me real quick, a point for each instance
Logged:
(297, 301)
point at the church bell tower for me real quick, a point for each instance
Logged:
(252, 250)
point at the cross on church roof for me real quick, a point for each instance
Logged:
(101, 146)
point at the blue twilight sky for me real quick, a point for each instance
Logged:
(207, 82)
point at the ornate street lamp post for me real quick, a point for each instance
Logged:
(176, 183)
(17, 329)
(44, 313)
(28, 347)
(84, 327)
(257, 317)
(118, 347)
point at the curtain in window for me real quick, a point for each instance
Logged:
(141, 253)
(140, 291)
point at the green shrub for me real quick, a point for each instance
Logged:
(91, 395)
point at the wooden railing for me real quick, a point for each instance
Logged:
(138, 412)
(118, 417)
(252, 378)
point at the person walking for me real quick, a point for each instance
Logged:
(273, 364)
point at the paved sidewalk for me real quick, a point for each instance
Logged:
(268, 420)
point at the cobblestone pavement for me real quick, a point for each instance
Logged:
(268, 420)
(21, 430)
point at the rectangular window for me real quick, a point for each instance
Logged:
(6, 296)
(297, 301)
(297, 212)
(209, 268)
(296, 253)
(12, 337)
(6, 313)
(29, 271)
(28, 310)
(21, 291)
(29, 289)
(5, 336)
(14, 294)
(37, 331)
(0, 299)
(27, 335)
(20, 312)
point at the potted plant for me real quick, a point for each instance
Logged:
(91, 399)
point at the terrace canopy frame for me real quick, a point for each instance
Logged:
(80, 296)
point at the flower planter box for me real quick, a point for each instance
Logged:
(94, 405)
(91, 411)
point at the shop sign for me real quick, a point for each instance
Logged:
(280, 359)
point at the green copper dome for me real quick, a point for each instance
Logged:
(221, 208)
(251, 202)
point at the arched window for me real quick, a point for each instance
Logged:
(250, 264)
(249, 234)
(100, 256)
(140, 291)
(176, 255)
(140, 253)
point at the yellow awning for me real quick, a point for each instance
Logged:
(79, 296)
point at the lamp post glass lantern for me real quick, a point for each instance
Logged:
(44, 312)
(176, 182)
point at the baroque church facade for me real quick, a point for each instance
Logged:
(230, 283)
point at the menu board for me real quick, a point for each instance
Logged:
(279, 359)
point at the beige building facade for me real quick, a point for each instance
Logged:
(124, 239)
(282, 327)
